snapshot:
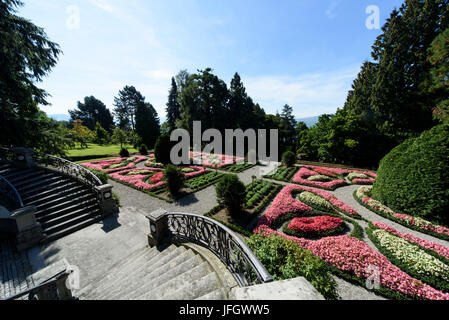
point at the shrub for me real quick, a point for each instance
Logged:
(143, 150)
(288, 159)
(175, 179)
(284, 259)
(103, 176)
(124, 153)
(162, 149)
(414, 177)
(231, 193)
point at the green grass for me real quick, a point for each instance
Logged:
(96, 150)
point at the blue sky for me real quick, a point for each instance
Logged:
(302, 52)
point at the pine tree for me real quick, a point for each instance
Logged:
(91, 112)
(125, 107)
(173, 105)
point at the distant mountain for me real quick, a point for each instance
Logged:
(310, 121)
(59, 117)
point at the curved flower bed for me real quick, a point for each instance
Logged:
(437, 248)
(314, 227)
(301, 177)
(341, 171)
(355, 259)
(148, 178)
(363, 196)
(213, 160)
(412, 259)
(114, 165)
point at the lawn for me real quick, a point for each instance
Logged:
(96, 151)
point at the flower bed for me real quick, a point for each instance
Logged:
(355, 260)
(412, 259)
(434, 247)
(315, 227)
(148, 178)
(282, 174)
(301, 177)
(203, 181)
(213, 160)
(362, 195)
(114, 165)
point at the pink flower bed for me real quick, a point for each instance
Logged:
(352, 255)
(435, 247)
(318, 224)
(341, 171)
(421, 223)
(214, 160)
(284, 203)
(144, 182)
(103, 165)
(362, 181)
(303, 173)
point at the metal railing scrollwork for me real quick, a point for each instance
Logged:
(230, 249)
(68, 168)
(9, 192)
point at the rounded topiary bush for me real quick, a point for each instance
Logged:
(414, 177)
(175, 179)
(231, 193)
(288, 158)
(124, 153)
(143, 150)
(162, 149)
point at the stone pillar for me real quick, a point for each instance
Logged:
(158, 227)
(108, 205)
(29, 231)
(24, 158)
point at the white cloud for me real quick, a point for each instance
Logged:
(309, 95)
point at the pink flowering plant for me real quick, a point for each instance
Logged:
(114, 165)
(303, 177)
(362, 194)
(213, 160)
(314, 227)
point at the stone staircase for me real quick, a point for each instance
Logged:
(174, 273)
(64, 205)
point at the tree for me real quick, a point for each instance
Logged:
(125, 107)
(147, 124)
(120, 136)
(287, 128)
(91, 112)
(173, 104)
(439, 75)
(26, 56)
(162, 149)
(240, 107)
(101, 135)
(231, 193)
(82, 133)
(175, 179)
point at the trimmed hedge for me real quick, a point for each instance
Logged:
(414, 177)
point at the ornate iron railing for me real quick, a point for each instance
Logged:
(68, 168)
(230, 249)
(9, 192)
(48, 290)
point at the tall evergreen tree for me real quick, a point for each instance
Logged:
(125, 107)
(91, 112)
(147, 124)
(173, 104)
(26, 56)
(287, 128)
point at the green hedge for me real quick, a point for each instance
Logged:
(414, 177)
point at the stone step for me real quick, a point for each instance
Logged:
(71, 228)
(11, 172)
(182, 263)
(17, 175)
(96, 282)
(189, 286)
(33, 198)
(49, 186)
(33, 177)
(59, 197)
(218, 294)
(49, 215)
(148, 257)
(69, 220)
(41, 182)
(140, 270)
